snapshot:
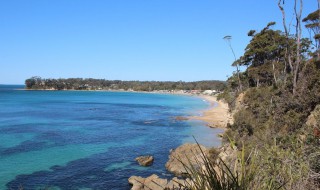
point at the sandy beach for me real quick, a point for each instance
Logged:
(217, 115)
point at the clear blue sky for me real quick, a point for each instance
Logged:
(128, 39)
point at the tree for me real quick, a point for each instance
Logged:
(313, 25)
(293, 56)
(264, 56)
(30, 82)
(235, 63)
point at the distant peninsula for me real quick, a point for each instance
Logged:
(38, 83)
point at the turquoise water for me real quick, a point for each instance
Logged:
(89, 140)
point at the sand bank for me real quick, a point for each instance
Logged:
(217, 115)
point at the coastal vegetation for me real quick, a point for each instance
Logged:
(35, 83)
(275, 104)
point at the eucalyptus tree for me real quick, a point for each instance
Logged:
(294, 57)
(265, 56)
(313, 25)
(235, 63)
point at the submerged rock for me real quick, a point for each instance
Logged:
(181, 118)
(188, 154)
(145, 160)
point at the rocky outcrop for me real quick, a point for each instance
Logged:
(227, 153)
(239, 103)
(153, 182)
(188, 154)
(145, 160)
(136, 182)
(178, 184)
(314, 121)
(314, 117)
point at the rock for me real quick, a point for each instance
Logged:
(154, 182)
(136, 182)
(180, 118)
(314, 121)
(176, 183)
(187, 154)
(314, 117)
(227, 154)
(145, 160)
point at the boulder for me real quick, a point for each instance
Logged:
(188, 154)
(314, 121)
(176, 183)
(136, 182)
(314, 117)
(154, 182)
(145, 160)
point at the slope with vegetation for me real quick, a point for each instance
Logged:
(275, 105)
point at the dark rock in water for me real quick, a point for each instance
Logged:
(145, 160)
(180, 118)
(186, 154)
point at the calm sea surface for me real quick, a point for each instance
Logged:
(89, 140)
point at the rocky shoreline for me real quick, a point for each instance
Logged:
(216, 116)
(180, 162)
(188, 155)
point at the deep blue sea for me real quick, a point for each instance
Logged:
(89, 140)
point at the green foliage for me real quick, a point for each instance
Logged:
(269, 167)
(312, 21)
(102, 84)
(271, 119)
(264, 56)
(219, 175)
(287, 167)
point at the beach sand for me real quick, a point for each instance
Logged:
(217, 115)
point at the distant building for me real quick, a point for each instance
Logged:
(209, 92)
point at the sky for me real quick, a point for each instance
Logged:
(161, 40)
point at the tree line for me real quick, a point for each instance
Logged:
(102, 84)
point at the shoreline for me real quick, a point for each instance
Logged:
(216, 116)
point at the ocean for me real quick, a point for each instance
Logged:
(89, 139)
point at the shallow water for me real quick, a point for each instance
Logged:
(89, 140)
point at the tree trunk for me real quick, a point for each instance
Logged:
(318, 48)
(239, 80)
(286, 31)
(294, 65)
(274, 73)
(298, 45)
